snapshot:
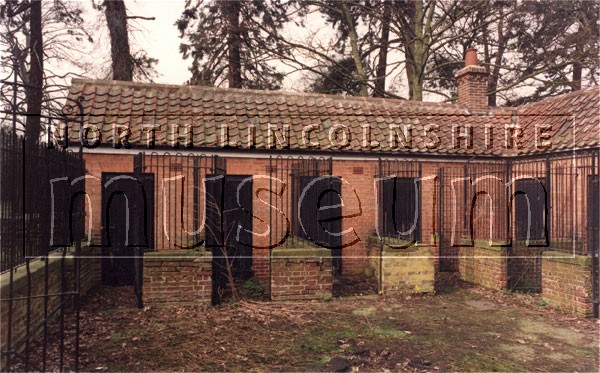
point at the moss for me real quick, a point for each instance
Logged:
(253, 288)
(584, 351)
(484, 244)
(324, 361)
(569, 258)
(297, 242)
(304, 252)
(176, 255)
(472, 361)
(386, 333)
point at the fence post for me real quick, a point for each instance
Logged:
(549, 207)
(509, 210)
(440, 237)
(380, 227)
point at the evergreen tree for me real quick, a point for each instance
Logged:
(233, 42)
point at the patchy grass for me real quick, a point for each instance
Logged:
(463, 329)
(252, 288)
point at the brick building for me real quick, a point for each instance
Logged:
(506, 196)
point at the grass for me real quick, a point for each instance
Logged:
(383, 333)
(475, 362)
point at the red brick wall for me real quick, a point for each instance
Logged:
(18, 323)
(483, 266)
(402, 271)
(361, 210)
(177, 277)
(96, 164)
(567, 282)
(358, 178)
(302, 277)
(90, 269)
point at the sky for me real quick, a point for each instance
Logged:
(160, 37)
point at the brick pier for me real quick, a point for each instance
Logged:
(301, 273)
(177, 276)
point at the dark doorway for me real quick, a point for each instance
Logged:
(228, 230)
(237, 224)
(401, 208)
(531, 211)
(320, 213)
(124, 197)
(524, 264)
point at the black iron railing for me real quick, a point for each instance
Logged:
(37, 210)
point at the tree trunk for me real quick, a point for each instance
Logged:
(383, 51)
(362, 76)
(415, 51)
(36, 75)
(232, 11)
(495, 70)
(409, 77)
(116, 20)
(417, 86)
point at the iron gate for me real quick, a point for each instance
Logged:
(41, 229)
(399, 200)
(188, 194)
(306, 185)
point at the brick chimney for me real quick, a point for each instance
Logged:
(471, 82)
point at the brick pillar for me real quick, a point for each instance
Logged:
(472, 82)
(403, 270)
(303, 273)
(177, 276)
(567, 281)
(483, 264)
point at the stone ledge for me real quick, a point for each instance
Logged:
(177, 255)
(305, 252)
(36, 266)
(471, 69)
(392, 250)
(483, 244)
(562, 257)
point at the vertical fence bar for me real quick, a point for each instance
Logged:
(549, 207)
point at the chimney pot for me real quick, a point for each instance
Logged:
(471, 57)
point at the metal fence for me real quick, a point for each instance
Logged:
(41, 216)
(37, 213)
(541, 202)
(178, 193)
(399, 191)
(310, 196)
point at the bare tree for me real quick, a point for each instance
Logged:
(34, 32)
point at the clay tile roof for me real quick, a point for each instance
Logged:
(572, 120)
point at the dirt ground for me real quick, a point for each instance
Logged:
(462, 328)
